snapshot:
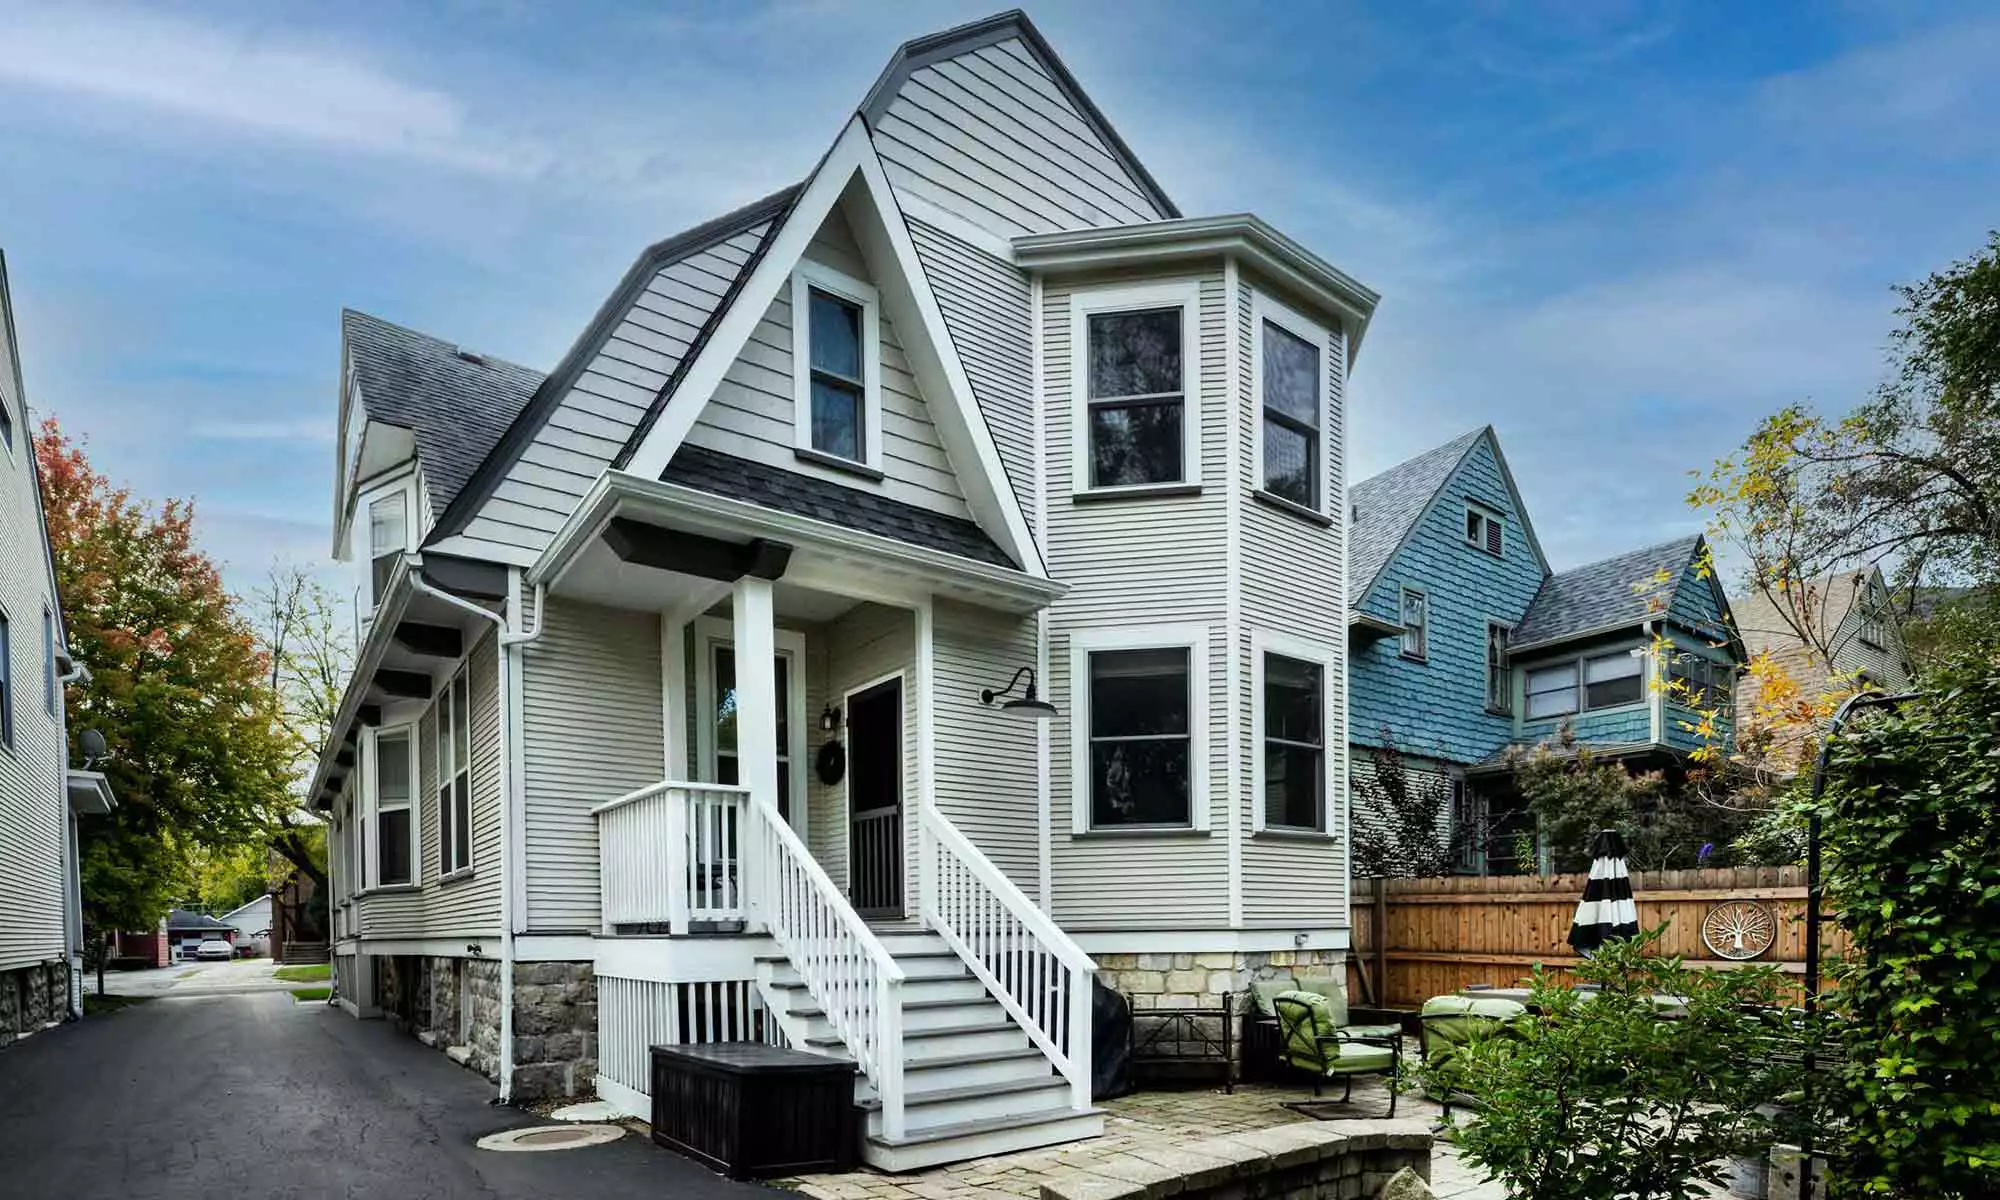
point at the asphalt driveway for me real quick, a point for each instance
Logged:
(251, 1096)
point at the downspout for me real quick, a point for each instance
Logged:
(507, 641)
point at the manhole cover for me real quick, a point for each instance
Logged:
(551, 1137)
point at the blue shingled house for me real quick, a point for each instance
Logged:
(1463, 642)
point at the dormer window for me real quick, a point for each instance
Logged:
(388, 538)
(1291, 388)
(836, 362)
(1484, 529)
(1132, 378)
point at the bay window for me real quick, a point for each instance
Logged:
(1291, 729)
(1133, 378)
(1613, 679)
(1291, 386)
(1551, 690)
(1138, 730)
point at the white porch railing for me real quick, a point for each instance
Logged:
(669, 855)
(1037, 973)
(859, 988)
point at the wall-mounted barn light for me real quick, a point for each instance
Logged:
(1027, 704)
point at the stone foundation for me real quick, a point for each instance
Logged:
(555, 1029)
(33, 998)
(1309, 1160)
(1196, 980)
(482, 980)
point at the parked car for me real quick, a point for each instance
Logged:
(215, 948)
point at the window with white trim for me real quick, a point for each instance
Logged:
(836, 366)
(391, 781)
(451, 733)
(1139, 731)
(1133, 379)
(388, 540)
(1416, 639)
(1291, 386)
(1292, 728)
(1484, 529)
(49, 685)
(1499, 674)
(6, 682)
(6, 424)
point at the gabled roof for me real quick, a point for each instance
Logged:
(182, 920)
(920, 52)
(457, 403)
(1387, 507)
(532, 416)
(1607, 595)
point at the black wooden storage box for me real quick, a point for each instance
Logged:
(754, 1111)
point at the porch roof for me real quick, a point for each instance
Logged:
(866, 563)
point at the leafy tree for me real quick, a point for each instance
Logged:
(308, 642)
(1573, 792)
(1912, 839)
(1593, 1095)
(176, 686)
(1404, 826)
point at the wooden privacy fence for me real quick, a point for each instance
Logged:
(1431, 937)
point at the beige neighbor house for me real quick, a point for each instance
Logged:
(41, 918)
(915, 593)
(1833, 634)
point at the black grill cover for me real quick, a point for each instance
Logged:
(1110, 1043)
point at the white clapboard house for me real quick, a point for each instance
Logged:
(914, 592)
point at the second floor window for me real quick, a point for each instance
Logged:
(839, 394)
(1289, 371)
(1499, 677)
(1551, 690)
(1136, 400)
(1141, 737)
(1613, 679)
(395, 785)
(1416, 642)
(1483, 530)
(452, 731)
(388, 538)
(6, 683)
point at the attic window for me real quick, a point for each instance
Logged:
(836, 366)
(1483, 529)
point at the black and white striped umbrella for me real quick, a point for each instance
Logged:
(1606, 910)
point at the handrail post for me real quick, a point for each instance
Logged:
(681, 858)
(1078, 1049)
(889, 1053)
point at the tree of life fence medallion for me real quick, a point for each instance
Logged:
(1738, 930)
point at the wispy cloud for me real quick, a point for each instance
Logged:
(155, 66)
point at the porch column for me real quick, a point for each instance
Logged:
(756, 714)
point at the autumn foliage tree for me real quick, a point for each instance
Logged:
(177, 685)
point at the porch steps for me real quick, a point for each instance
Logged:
(973, 1084)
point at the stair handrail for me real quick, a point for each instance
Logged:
(867, 1014)
(1059, 1029)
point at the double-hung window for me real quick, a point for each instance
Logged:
(393, 785)
(836, 363)
(1551, 690)
(49, 661)
(1416, 640)
(1291, 385)
(1138, 728)
(452, 735)
(1133, 383)
(1499, 675)
(6, 424)
(1613, 679)
(388, 538)
(1291, 727)
(6, 683)
(1484, 529)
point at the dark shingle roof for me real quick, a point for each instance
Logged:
(183, 919)
(822, 500)
(1605, 595)
(1386, 506)
(457, 403)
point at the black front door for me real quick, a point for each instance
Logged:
(875, 800)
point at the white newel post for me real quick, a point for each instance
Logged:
(756, 724)
(681, 860)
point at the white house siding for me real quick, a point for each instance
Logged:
(591, 705)
(32, 804)
(1289, 881)
(751, 414)
(860, 647)
(984, 301)
(1150, 561)
(989, 136)
(985, 762)
(591, 423)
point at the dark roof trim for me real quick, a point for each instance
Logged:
(542, 405)
(921, 52)
(777, 207)
(25, 445)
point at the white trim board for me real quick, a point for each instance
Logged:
(711, 632)
(434, 947)
(1328, 659)
(1212, 941)
(810, 276)
(1086, 302)
(681, 959)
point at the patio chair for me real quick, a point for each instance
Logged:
(1316, 1043)
(1263, 1047)
(1448, 1022)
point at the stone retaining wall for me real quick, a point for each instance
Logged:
(1308, 1160)
(555, 1029)
(33, 997)
(1196, 980)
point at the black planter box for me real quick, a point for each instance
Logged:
(754, 1111)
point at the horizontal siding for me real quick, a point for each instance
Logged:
(592, 719)
(1139, 562)
(1290, 575)
(988, 135)
(986, 763)
(861, 646)
(591, 423)
(984, 301)
(33, 807)
(752, 414)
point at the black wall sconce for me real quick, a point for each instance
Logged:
(1027, 705)
(829, 719)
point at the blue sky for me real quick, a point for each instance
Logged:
(1618, 232)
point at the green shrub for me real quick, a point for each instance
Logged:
(1912, 842)
(1598, 1096)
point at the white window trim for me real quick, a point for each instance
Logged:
(1263, 308)
(445, 753)
(371, 801)
(1402, 606)
(1487, 516)
(1086, 302)
(1192, 638)
(361, 533)
(806, 276)
(711, 632)
(1264, 642)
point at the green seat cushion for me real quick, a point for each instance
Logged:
(1496, 1007)
(1264, 991)
(1356, 1059)
(1454, 1020)
(1373, 1030)
(1328, 986)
